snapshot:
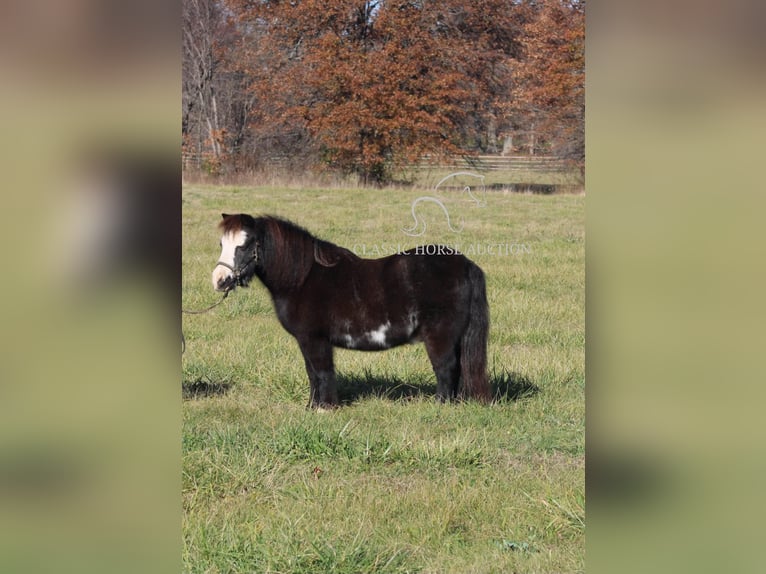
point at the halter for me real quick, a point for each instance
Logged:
(237, 271)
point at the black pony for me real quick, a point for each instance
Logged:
(325, 296)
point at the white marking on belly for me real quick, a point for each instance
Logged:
(379, 335)
(412, 323)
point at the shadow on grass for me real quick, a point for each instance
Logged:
(201, 389)
(359, 387)
(505, 387)
(511, 387)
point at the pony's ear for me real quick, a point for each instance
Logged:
(327, 254)
(224, 215)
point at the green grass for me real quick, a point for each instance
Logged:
(391, 481)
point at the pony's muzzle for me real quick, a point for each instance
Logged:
(223, 279)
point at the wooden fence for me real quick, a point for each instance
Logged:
(482, 163)
(195, 160)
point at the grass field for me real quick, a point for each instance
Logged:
(391, 481)
(430, 176)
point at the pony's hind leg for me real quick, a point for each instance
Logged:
(317, 354)
(444, 356)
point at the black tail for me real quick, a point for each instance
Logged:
(473, 344)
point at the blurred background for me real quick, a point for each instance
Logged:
(675, 123)
(89, 323)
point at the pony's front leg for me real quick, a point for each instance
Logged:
(317, 354)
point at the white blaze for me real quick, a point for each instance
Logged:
(229, 243)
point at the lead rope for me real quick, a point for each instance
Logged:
(237, 272)
(199, 312)
(206, 309)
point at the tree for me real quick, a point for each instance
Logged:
(381, 94)
(376, 84)
(363, 86)
(201, 21)
(215, 105)
(549, 91)
(344, 81)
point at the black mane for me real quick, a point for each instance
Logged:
(289, 250)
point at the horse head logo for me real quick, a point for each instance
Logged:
(413, 231)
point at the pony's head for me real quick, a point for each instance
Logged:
(275, 250)
(240, 247)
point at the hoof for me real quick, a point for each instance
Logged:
(323, 407)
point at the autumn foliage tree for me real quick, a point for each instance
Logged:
(373, 84)
(365, 86)
(549, 77)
